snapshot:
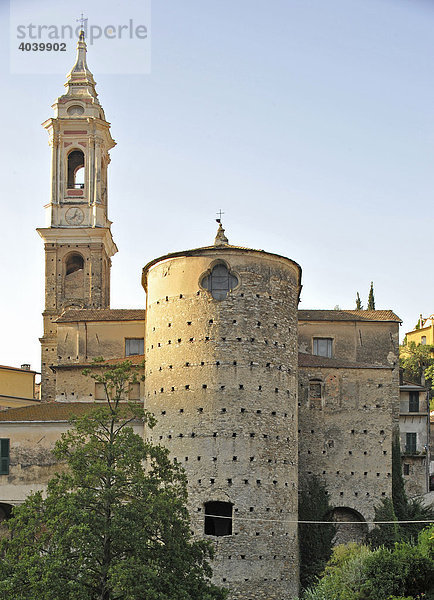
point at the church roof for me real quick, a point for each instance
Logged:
(102, 314)
(46, 411)
(55, 412)
(348, 315)
(312, 360)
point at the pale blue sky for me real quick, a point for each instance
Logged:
(309, 122)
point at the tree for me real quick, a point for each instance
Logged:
(359, 305)
(384, 534)
(371, 299)
(114, 523)
(315, 541)
(416, 360)
(405, 509)
(354, 572)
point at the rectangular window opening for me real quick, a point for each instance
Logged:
(323, 347)
(134, 346)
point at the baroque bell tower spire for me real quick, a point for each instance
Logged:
(77, 236)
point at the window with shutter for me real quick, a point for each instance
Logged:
(4, 456)
(413, 405)
(410, 443)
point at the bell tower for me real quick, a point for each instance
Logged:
(77, 236)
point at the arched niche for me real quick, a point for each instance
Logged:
(350, 525)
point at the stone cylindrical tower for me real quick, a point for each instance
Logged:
(221, 379)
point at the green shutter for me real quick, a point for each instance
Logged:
(4, 456)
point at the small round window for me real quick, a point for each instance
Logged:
(219, 282)
(75, 110)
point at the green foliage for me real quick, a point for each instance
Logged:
(354, 572)
(399, 497)
(359, 305)
(343, 575)
(114, 523)
(315, 541)
(371, 299)
(384, 534)
(417, 360)
(405, 509)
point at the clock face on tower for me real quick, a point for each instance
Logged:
(74, 216)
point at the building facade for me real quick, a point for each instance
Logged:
(414, 427)
(252, 396)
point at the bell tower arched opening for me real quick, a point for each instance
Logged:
(74, 276)
(76, 170)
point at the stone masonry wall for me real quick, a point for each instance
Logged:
(221, 378)
(345, 436)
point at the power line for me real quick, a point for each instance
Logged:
(294, 522)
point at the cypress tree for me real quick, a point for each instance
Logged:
(384, 534)
(359, 305)
(315, 540)
(371, 299)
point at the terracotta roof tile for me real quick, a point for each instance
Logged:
(136, 359)
(348, 315)
(102, 314)
(311, 360)
(46, 411)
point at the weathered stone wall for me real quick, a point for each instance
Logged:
(363, 342)
(72, 386)
(221, 378)
(82, 341)
(32, 463)
(87, 288)
(415, 474)
(345, 436)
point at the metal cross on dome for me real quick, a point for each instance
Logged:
(220, 213)
(83, 21)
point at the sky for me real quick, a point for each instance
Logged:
(309, 123)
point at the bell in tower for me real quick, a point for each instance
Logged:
(77, 236)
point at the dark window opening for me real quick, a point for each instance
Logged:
(4, 456)
(218, 518)
(75, 262)
(76, 170)
(413, 404)
(406, 469)
(220, 282)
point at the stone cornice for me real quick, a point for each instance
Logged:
(76, 235)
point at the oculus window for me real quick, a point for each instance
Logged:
(219, 282)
